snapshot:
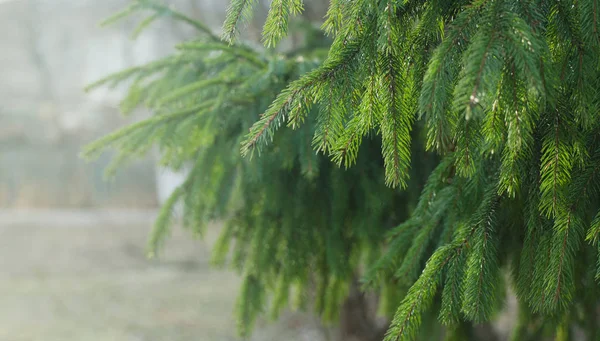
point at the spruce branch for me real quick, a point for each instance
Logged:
(249, 303)
(368, 116)
(568, 234)
(192, 88)
(590, 22)
(295, 100)
(396, 124)
(139, 72)
(439, 81)
(397, 93)
(480, 75)
(450, 312)
(92, 150)
(161, 227)
(404, 326)
(334, 17)
(407, 319)
(482, 273)
(276, 25)
(593, 234)
(330, 118)
(557, 162)
(166, 10)
(122, 14)
(144, 24)
(508, 95)
(241, 52)
(238, 12)
(559, 278)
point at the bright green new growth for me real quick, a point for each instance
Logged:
(509, 92)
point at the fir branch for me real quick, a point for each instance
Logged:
(439, 81)
(590, 21)
(482, 273)
(139, 72)
(220, 249)
(334, 17)
(568, 234)
(397, 94)
(537, 299)
(468, 94)
(559, 284)
(402, 236)
(510, 90)
(126, 12)
(346, 150)
(531, 249)
(519, 133)
(276, 25)
(330, 118)
(525, 48)
(162, 224)
(238, 12)
(190, 89)
(143, 25)
(368, 116)
(249, 303)
(395, 126)
(93, 149)
(169, 11)
(593, 234)
(241, 52)
(450, 314)
(409, 269)
(468, 138)
(494, 127)
(556, 168)
(272, 117)
(411, 266)
(296, 98)
(407, 319)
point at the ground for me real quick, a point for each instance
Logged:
(83, 275)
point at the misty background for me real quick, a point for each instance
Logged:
(72, 244)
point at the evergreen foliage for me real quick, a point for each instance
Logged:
(295, 225)
(495, 102)
(509, 91)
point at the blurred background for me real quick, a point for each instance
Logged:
(72, 244)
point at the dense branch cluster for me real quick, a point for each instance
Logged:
(496, 103)
(295, 225)
(508, 93)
